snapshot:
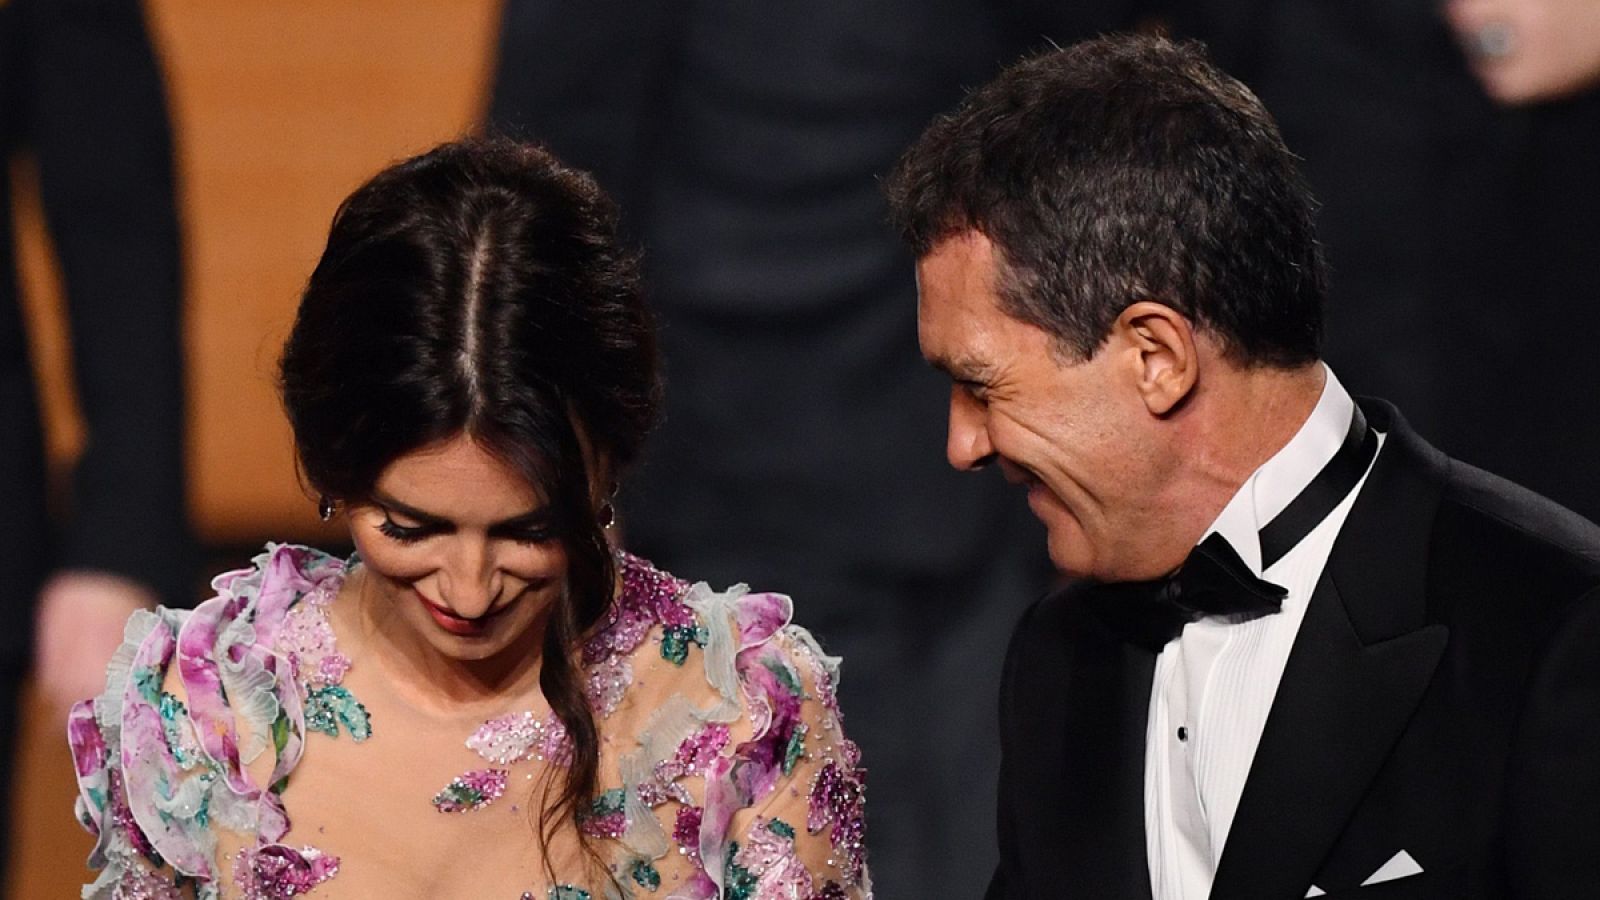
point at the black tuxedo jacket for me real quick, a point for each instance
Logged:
(1442, 698)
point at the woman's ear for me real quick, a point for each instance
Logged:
(1165, 355)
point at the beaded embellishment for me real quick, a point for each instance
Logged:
(277, 872)
(473, 790)
(505, 741)
(521, 736)
(838, 798)
(606, 817)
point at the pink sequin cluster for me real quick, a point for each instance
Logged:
(122, 815)
(769, 855)
(838, 798)
(606, 682)
(307, 639)
(279, 872)
(686, 831)
(648, 596)
(692, 758)
(522, 736)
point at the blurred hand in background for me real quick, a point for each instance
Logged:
(80, 621)
(1530, 51)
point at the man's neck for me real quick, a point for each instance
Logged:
(1236, 421)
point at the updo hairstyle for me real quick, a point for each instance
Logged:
(480, 289)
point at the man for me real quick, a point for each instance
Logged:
(81, 93)
(1371, 664)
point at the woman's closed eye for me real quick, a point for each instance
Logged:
(532, 529)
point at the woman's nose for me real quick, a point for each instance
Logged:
(472, 582)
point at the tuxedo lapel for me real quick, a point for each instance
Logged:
(1364, 655)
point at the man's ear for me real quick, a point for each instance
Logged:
(1165, 353)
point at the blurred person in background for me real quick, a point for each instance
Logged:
(82, 94)
(487, 700)
(801, 432)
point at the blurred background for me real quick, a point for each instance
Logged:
(172, 166)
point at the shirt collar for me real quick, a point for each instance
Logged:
(1271, 488)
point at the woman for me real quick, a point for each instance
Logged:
(486, 700)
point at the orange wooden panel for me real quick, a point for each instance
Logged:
(40, 280)
(49, 851)
(281, 109)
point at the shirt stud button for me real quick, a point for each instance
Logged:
(1183, 733)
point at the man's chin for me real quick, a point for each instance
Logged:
(1068, 553)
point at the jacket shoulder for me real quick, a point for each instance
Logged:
(1491, 529)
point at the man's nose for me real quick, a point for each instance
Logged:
(967, 446)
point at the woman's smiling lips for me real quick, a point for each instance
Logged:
(455, 624)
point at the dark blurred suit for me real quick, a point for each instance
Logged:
(803, 444)
(1463, 237)
(80, 92)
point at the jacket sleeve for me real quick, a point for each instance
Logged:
(95, 116)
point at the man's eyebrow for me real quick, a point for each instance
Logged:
(539, 516)
(963, 368)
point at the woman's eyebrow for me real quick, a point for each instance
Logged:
(407, 510)
(531, 519)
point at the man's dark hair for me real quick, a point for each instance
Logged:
(1121, 169)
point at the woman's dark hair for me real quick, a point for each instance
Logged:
(1121, 169)
(481, 289)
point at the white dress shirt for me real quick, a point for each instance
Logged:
(1214, 683)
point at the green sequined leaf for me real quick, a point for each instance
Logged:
(202, 816)
(280, 732)
(645, 875)
(781, 828)
(280, 740)
(458, 796)
(173, 713)
(795, 750)
(738, 882)
(607, 803)
(170, 707)
(568, 892)
(331, 705)
(676, 639)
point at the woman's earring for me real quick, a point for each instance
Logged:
(608, 514)
(326, 507)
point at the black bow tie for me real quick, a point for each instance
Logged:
(1213, 580)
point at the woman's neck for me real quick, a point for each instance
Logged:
(430, 681)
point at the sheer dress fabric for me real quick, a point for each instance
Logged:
(724, 772)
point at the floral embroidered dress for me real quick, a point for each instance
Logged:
(723, 769)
